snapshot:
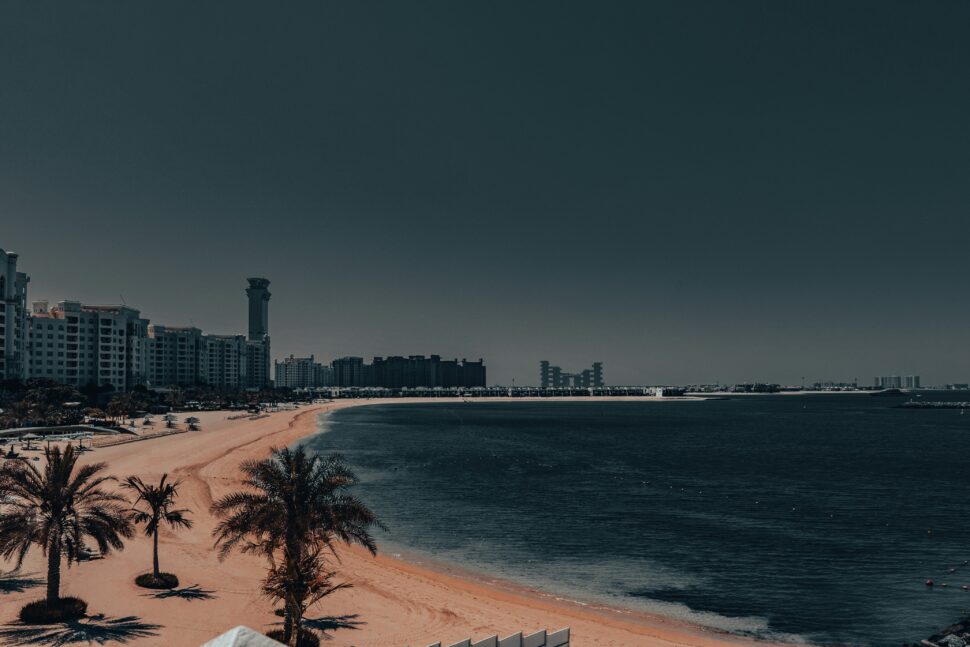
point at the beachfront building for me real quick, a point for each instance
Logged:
(553, 377)
(13, 318)
(114, 346)
(348, 371)
(77, 344)
(301, 373)
(889, 382)
(176, 355)
(294, 372)
(413, 371)
(223, 364)
(322, 375)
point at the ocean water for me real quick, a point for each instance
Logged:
(812, 518)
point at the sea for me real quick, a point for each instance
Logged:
(811, 518)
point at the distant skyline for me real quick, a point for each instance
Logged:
(686, 191)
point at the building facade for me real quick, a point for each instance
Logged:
(176, 355)
(223, 364)
(413, 371)
(114, 346)
(81, 345)
(257, 342)
(553, 377)
(295, 373)
(13, 318)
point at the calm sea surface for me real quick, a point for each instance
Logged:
(806, 518)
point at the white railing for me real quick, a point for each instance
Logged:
(538, 639)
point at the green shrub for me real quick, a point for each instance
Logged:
(163, 581)
(38, 613)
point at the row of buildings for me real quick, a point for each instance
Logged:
(897, 382)
(553, 377)
(114, 346)
(414, 371)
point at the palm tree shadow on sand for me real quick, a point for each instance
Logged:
(14, 582)
(330, 623)
(95, 630)
(194, 592)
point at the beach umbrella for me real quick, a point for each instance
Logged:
(170, 417)
(148, 416)
(192, 420)
(242, 636)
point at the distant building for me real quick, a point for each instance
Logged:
(897, 382)
(553, 377)
(13, 318)
(348, 371)
(302, 373)
(413, 371)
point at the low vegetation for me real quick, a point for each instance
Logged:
(41, 612)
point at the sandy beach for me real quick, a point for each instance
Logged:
(392, 602)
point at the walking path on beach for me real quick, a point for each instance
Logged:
(393, 603)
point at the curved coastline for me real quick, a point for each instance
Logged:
(393, 601)
(652, 627)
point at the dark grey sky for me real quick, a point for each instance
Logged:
(687, 191)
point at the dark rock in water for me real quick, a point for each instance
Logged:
(956, 635)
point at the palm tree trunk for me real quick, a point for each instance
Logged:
(53, 573)
(155, 572)
(287, 624)
(295, 622)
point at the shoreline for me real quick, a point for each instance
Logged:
(399, 602)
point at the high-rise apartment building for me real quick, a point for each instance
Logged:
(80, 344)
(176, 355)
(223, 364)
(296, 373)
(348, 371)
(114, 346)
(13, 318)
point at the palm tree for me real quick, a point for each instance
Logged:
(294, 505)
(158, 501)
(299, 585)
(57, 509)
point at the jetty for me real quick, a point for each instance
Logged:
(913, 404)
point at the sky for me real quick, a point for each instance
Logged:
(689, 192)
